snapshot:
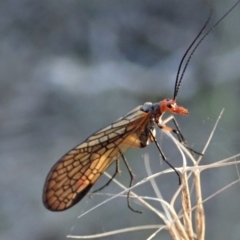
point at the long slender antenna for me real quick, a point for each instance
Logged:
(179, 80)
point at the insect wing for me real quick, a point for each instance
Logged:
(74, 174)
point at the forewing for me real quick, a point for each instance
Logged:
(74, 174)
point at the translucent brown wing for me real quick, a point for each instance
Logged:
(74, 174)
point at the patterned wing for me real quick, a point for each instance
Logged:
(74, 174)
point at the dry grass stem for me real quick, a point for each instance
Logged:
(185, 223)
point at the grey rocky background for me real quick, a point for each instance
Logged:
(70, 67)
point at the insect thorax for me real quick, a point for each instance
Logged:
(152, 108)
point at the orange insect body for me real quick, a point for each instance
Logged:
(73, 175)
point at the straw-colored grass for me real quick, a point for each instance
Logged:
(189, 223)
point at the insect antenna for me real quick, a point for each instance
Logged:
(179, 80)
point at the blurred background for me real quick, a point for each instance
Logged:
(71, 67)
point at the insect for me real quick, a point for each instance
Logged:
(77, 171)
(74, 174)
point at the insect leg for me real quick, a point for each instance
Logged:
(131, 181)
(164, 158)
(176, 131)
(113, 176)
